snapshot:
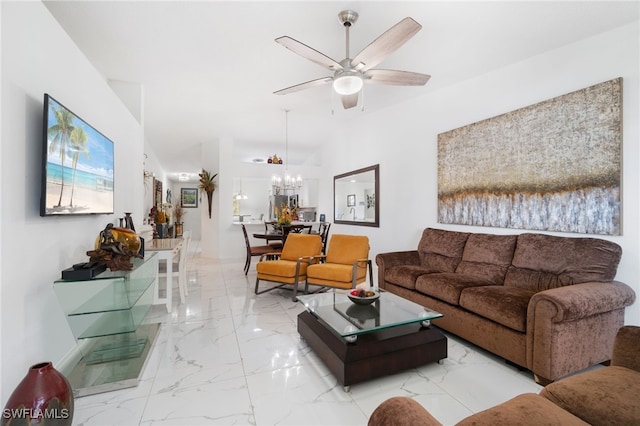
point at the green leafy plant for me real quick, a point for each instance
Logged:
(206, 181)
(208, 185)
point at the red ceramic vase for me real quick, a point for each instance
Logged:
(43, 397)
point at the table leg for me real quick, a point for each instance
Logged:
(169, 281)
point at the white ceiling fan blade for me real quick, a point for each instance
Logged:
(396, 78)
(302, 86)
(385, 44)
(309, 53)
(350, 101)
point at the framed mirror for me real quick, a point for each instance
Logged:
(356, 197)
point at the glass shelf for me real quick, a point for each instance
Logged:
(111, 303)
(105, 313)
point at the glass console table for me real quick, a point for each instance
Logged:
(105, 315)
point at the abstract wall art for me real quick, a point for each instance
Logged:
(552, 166)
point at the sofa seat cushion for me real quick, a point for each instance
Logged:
(505, 305)
(487, 256)
(447, 286)
(525, 409)
(606, 396)
(405, 275)
(441, 250)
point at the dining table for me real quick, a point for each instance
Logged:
(166, 248)
(276, 234)
(269, 235)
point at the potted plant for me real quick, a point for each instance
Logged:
(208, 185)
(178, 212)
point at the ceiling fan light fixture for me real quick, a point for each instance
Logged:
(347, 84)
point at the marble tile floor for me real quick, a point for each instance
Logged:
(229, 357)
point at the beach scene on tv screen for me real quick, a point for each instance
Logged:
(79, 165)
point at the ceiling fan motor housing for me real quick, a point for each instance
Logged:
(348, 17)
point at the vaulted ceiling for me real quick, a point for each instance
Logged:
(209, 68)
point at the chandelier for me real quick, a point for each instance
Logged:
(287, 183)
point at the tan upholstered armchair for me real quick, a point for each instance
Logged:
(290, 266)
(345, 264)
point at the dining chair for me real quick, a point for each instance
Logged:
(324, 234)
(179, 265)
(255, 250)
(345, 264)
(290, 266)
(295, 229)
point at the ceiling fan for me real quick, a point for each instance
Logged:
(349, 75)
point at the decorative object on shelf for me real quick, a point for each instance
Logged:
(167, 209)
(207, 185)
(278, 184)
(274, 160)
(160, 217)
(44, 396)
(189, 197)
(128, 222)
(178, 212)
(115, 247)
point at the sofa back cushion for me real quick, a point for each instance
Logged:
(441, 250)
(542, 262)
(487, 256)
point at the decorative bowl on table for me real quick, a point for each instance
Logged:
(363, 297)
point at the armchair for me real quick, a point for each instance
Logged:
(345, 264)
(290, 266)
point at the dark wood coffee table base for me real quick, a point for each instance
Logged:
(374, 354)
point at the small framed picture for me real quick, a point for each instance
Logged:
(351, 200)
(189, 197)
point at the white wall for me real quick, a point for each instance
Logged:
(39, 57)
(405, 140)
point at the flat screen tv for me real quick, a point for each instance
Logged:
(77, 165)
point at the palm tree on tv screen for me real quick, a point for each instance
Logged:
(60, 134)
(78, 146)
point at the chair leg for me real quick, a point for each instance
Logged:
(295, 291)
(247, 264)
(181, 288)
(256, 289)
(182, 285)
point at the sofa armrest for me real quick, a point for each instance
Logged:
(396, 258)
(573, 327)
(401, 411)
(577, 301)
(626, 348)
(387, 260)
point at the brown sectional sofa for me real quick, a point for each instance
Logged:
(546, 303)
(604, 396)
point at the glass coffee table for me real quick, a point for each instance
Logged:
(363, 342)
